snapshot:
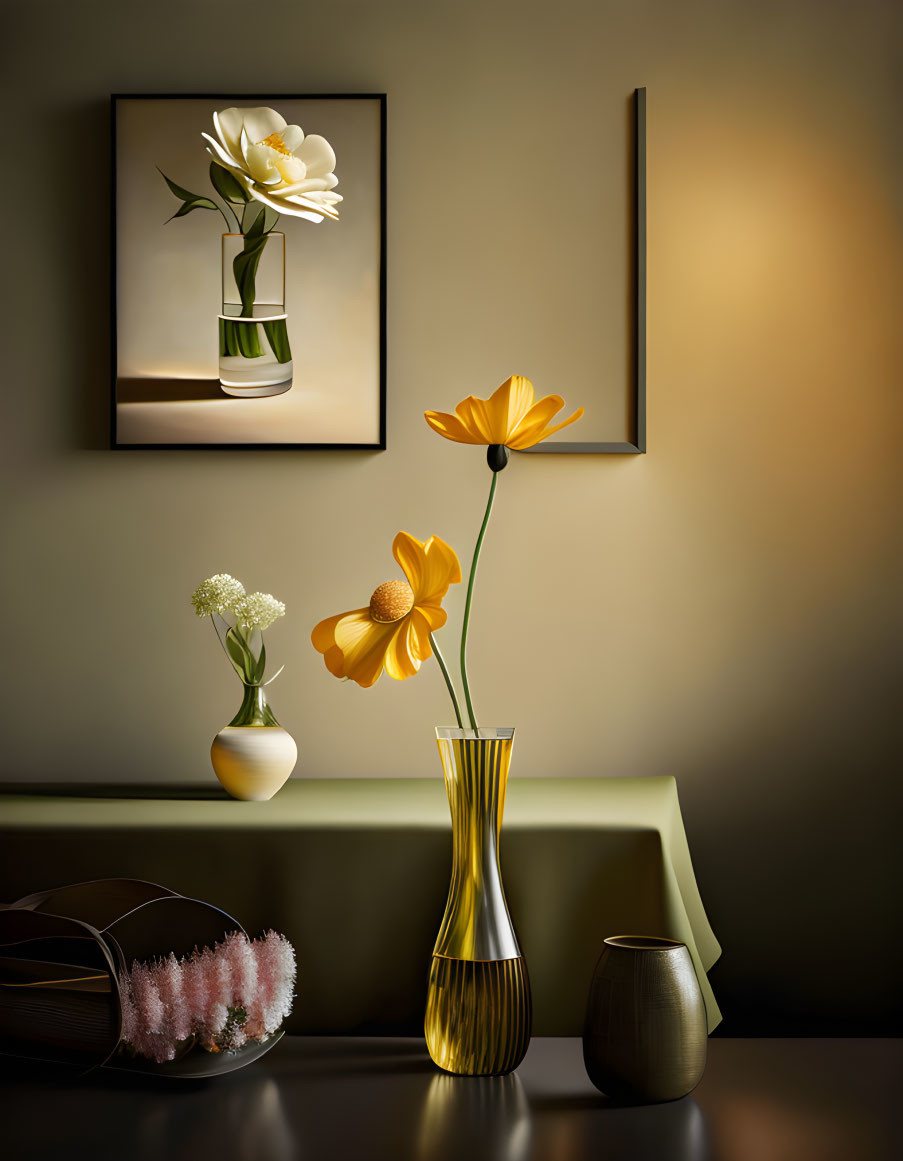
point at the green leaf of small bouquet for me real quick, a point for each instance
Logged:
(261, 664)
(240, 656)
(227, 185)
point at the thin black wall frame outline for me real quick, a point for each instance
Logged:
(639, 308)
(380, 445)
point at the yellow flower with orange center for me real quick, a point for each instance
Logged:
(511, 417)
(393, 631)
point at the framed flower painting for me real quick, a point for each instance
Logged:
(249, 271)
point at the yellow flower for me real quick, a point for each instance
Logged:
(511, 416)
(393, 632)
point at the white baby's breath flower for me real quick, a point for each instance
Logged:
(218, 594)
(257, 610)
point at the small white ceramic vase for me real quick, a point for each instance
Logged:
(253, 762)
(253, 756)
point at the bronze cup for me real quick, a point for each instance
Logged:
(644, 1038)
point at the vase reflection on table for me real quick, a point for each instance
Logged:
(457, 1111)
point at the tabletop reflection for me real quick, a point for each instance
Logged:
(244, 1122)
(474, 1117)
(576, 1130)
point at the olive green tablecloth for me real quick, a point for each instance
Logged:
(355, 872)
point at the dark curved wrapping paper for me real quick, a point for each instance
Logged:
(61, 954)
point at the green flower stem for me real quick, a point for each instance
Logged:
(470, 584)
(229, 228)
(225, 219)
(448, 680)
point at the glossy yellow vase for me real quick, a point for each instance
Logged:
(478, 1009)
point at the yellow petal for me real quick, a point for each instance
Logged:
(419, 635)
(408, 551)
(364, 643)
(564, 423)
(400, 660)
(511, 402)
(335, 661)
(434, 615)
(534, 428)
(450, 426)
(492, 420)
(430, 567)
(323, 638)
(486, 421)
(539, 416)
(482, 419)
(442, 569)
(323, 635)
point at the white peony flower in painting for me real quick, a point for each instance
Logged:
(275, 163)
(261, 168)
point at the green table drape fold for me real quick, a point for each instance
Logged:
(355, 872)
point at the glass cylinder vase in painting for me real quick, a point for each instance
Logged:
(255, 358)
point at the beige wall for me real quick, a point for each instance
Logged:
(721, 609)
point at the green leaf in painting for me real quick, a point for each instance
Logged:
(190, 201)
(249, 344)
(277, 334)
(187, 207)
(240, 338)
(245, 264)
(227, 185)
(259, 222)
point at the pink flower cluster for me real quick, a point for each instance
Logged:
(239, 991)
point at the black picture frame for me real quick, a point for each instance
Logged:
(379, 444)
(637, 339)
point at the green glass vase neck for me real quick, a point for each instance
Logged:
(254, 710)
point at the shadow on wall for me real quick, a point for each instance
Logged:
(81, 259)
(801, 909)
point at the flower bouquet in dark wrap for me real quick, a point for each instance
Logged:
(120, 973)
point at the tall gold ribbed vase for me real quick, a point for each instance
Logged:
(478, 1009)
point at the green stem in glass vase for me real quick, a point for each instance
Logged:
(246, 263)
(254, 710)
(448, 681)
(470, 586)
